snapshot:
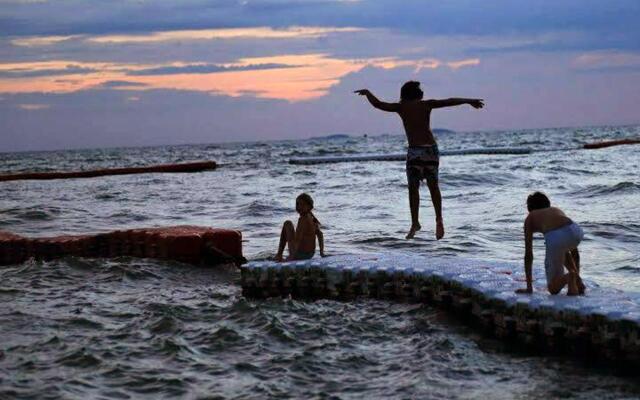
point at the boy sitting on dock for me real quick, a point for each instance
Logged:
(561, 237)
(301, 241)
(423, 157)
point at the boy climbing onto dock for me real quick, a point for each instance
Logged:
(423, 157)
(561, 238)
(301, 241)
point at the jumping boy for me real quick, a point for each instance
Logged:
(561, 238)
(423, 157)
(301, 240)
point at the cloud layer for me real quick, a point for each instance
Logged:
(240, 70)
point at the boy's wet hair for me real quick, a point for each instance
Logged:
(306, 198)
(538, 201)
(411, 91)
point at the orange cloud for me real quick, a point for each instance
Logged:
(607, 59)
(295, 32)
(292, 77)
(34, 41)
(33, 107)
(463, 63)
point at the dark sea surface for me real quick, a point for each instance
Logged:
(132, 328)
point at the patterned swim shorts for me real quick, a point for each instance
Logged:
(422, 163)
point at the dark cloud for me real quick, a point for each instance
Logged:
(116, 84)
(601, 21)
(24, 73)
(205, 68)
(622, 69)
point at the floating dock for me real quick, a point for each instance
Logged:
(190, 244)
(603, 325)
(183, 167)
(610, 143)
(402, 156)
(496, 150)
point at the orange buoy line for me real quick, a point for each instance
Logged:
(190, 244)
(609, 143)
(184, 167)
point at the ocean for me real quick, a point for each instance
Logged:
(135, 328)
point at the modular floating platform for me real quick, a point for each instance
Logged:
(459, 152)
(186, 243)
(198, 166)
(603, 325)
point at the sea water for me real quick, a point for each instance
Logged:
(131, 328)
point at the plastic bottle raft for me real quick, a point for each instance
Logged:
(183, 167)
(602, 325)
(403, 156)
(189, 244)
(495, 150)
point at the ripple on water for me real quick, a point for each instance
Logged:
(79, 358)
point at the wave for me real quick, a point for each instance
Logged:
(33, 213)
(79, 358)
(259, 208)
(469, 180)
(629, 268)
(605, 190)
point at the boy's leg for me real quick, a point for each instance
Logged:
(556, 285)
(576, 258)
(554, 269)
(414, 206)
(436, 199)
(572, 262)
(287, 236)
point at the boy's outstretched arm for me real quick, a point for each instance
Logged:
(475, 103)
(380, 105)
(528, 256)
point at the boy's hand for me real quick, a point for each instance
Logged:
(477, 103)
(524, 291)
(362, 92)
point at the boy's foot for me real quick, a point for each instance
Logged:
(581, 286)
(278, 258)
(439, 229)
(412, 232)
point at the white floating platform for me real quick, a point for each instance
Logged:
(608, 319)
(403, 156)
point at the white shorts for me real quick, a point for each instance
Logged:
(558, 242)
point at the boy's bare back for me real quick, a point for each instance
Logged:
(546, 219)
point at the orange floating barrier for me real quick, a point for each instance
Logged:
(190, 244)
(184, 167)
(609, 143)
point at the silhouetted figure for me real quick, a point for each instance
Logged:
(561, 238)
(423, 157)
(301, 241)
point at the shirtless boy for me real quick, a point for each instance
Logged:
(301, 240)
(561, 237)
(423, 157)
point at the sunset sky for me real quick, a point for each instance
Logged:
(83, 73)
